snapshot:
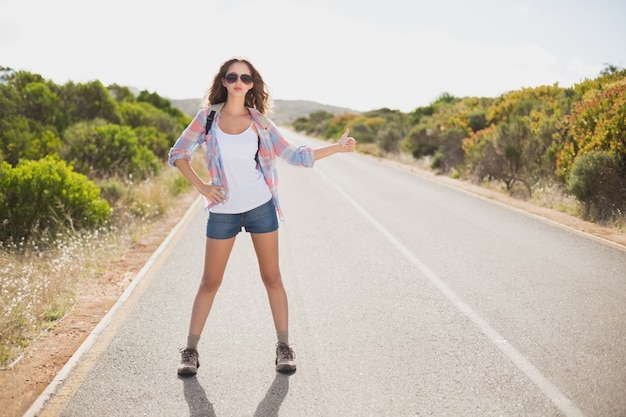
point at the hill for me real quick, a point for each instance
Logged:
(284, 111)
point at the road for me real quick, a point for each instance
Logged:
(407, 298)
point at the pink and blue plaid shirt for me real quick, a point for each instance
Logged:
(271, 143)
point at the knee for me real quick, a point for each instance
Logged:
(209, 284)
(272, 280)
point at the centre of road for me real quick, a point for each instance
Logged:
(551, 391)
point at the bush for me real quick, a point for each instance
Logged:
(102, 150)
(46, 197)
(421, 142)
(363, 133)
(598, 180)
(438, 161)
(597, 123)
(389, 137)
(22, 138)
(477, 121)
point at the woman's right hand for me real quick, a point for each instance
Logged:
(215, 193)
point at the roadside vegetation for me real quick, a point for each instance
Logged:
(83, 175)
(83, 172)
(564, 148)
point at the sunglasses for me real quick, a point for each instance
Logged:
(232, 78)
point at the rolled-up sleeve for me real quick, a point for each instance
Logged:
(294, 155)
(190, 139)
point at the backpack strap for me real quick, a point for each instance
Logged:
(209, 118)
(217, 107)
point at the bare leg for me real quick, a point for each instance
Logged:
(266, 248)
(216, 256)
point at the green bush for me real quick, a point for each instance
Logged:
(438, 161)
(389, 137)
(477, 120)
(46, 197)
(598, 180)
(421, 142)
(23, 138)
(102, 150)
(154, 140)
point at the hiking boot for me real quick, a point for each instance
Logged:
(285, 358)
(189, 362)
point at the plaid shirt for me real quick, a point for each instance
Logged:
(271, 143)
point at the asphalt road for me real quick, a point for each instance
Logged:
(407, 298)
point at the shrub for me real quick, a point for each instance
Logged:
(477, 120)
(597, 123)
(25, 138)
(438, 161)
(598, 180)
(363, 132)
(389, 137)
(45, 197)
(101, 150)
(421, 142)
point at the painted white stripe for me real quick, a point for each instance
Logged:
(52, 388)
(564, 404)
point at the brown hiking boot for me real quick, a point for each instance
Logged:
(285, 358)
(189, 362)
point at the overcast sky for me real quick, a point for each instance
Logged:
(360, 54)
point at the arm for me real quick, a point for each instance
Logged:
(189, 140)
(345, 144)
(180, 157)
(215, 193)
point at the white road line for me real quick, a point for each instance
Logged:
(89, 342)
(563, 403)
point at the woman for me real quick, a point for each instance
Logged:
(241, 146)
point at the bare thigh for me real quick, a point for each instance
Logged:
(266, 248)
(217, 252)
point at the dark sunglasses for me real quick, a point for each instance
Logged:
(232, 78)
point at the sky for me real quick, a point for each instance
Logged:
(359, 54)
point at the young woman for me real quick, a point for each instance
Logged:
(241, 149)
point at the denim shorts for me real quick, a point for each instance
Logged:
(262, 219)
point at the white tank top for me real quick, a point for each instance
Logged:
(247, 188)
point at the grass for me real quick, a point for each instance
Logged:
(38, 286)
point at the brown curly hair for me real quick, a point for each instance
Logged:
(257, 97)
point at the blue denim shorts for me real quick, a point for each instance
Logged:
(262, 219)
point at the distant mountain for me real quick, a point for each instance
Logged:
(188, 106)
(284, 111)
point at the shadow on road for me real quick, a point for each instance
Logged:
(274, 397)
(199, 404)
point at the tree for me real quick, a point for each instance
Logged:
(121, 94)
(159, 102)
(89, 101)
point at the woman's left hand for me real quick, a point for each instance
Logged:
(347, 143)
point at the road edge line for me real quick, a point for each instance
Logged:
(63, 374)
